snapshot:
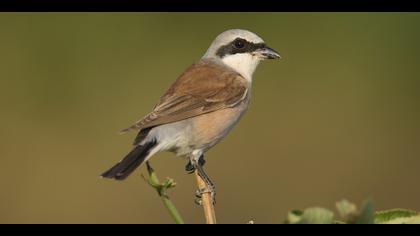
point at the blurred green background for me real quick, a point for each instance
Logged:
(338, 117)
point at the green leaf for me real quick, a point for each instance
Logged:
(405, 220)
(367, 214)
(317, 215)
(294, 217)
(383, 217)
(346, 210)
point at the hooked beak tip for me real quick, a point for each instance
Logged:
(269, 53)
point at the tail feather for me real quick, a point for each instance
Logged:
(130, 162)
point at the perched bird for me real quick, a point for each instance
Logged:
(201, 106)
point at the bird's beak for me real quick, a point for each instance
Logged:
(268, 53)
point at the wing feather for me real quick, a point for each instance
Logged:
(203, 88)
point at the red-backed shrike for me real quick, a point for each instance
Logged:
(201, 106)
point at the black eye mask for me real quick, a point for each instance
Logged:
(239, 45)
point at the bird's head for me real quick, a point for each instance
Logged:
(241, 50)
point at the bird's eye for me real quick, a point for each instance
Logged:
(239, 44)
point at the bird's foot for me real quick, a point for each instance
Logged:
(199, 195)
(190, 167)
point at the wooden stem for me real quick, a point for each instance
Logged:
(207, 201)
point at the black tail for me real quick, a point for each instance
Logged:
(130, 162)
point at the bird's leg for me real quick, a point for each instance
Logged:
(190, 168)
(210, 188)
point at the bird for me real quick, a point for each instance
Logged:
(201, 107)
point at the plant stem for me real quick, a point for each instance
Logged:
(172, 210)
(161, 190)
(207, 201)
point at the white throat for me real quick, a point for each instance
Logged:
(245, 64)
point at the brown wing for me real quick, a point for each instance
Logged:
(204, 87)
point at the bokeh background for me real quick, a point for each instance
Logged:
(338, 117)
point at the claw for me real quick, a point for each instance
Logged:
(199, 193)
(190, 167)
(198, 201)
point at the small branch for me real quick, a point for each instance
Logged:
(207, 201)
(161, 190)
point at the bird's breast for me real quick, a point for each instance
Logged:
(210, 128)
